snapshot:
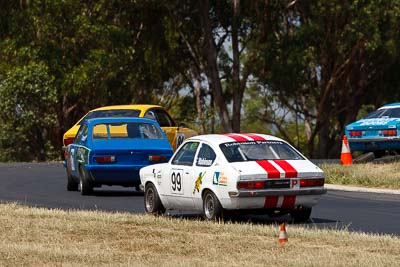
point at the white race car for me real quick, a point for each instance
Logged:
(220, 173)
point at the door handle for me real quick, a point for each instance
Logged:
(186, 172)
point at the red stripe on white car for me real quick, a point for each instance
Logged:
(271, 202)
(255, 137)
(272, 172)
(237, 137)
(290, 171)
(288, 202)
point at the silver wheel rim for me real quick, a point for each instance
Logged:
(150, 199)
(209, 206)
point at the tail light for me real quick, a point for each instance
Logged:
(389, 132)
(355, 133)
(251, 185)
(105, 159)
(157, 158)
(68, 141)
(312, 182)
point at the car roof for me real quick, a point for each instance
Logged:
(141, 107)
(119, 120)
(391, 105)
(218, 139)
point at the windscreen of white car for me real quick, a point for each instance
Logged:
(259, 150)
(384, 113)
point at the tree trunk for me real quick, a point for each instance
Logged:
(237, 90)
(212, 67)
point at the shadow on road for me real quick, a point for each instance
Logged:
(116, 193)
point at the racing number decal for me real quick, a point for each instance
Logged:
(179, 139)
(176, 181)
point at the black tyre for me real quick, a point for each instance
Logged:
(301, 215)
(212, 209)
(85, 185)
(152, 202)
(72, 185)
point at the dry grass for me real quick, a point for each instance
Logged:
(368, 175)
(42, 237)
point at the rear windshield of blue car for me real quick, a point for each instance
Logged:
(384, 113)
(132, 130)
(112, 113)
(259, 150)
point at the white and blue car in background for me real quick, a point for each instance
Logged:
(378, 132)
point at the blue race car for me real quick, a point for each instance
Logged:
(378, 132)
(111, 151)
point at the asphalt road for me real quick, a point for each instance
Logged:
(44, 185)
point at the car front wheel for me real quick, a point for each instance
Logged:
(85, 185)
(212, 209)
(152, 202)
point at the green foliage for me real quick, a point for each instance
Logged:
(27, 112)
(322, 62)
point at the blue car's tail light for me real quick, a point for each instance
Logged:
(106, 159)
(355, 133)
(157, 158)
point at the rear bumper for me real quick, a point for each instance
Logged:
(126, 175)
(265, 193)
(372, 144)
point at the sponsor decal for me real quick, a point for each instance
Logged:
(253, 143)
(220, 179)
(378, 121)
(204, 162)
(198, 182)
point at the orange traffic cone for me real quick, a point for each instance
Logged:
(283, 238)
(345, 156)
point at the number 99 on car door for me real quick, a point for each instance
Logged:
(176, 181)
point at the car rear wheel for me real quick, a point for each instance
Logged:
(85, 185)
(212, 209)
(301, 215)
(152, 202)
(71, 185)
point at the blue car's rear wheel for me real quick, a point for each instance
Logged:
(72, 185)
(85, 185)
(152, 202)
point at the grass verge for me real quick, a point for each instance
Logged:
(366, 175)
(42, 237)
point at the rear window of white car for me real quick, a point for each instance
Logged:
(259, 150)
